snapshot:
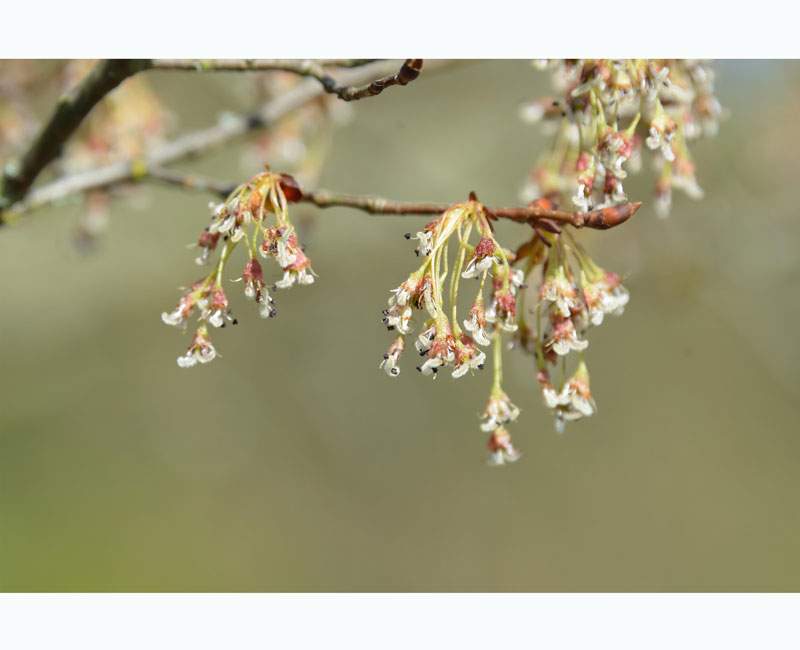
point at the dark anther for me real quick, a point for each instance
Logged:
(422, 353)
(419, 368)
(274, 287)
(385, 312)
(385, 355)
(480, 366)
(394, 371)
(435, 370)
(225, 238)
(235, 321)
(416, 252)
(407, 235)
(390, 328)
(223, 324)
(254, 121)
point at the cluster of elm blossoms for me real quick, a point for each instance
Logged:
(245, 216)
(607, 112)
(541, 297)
(572, 294)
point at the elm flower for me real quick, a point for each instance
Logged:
(467, 357)
(399, 318)
(558, 290)
(201, 350)
(441, 353)
(502, 449)
(482, 259)
(256, 289)
(217, 311)
(423, 342)
(425, 237)
(207, 242)
(499, 411)
(564, 337)
(188, 302)
(390, 358)
(503, 308)
(552, 398)
(575, 400)
(587, 169)
(662, 132)
(476, 325)
(603, 295)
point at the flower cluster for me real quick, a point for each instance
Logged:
(424, 305)
(245, 216)
(571, 294)
(574, 294)
(608, 112)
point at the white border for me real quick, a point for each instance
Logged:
(402, 621)
(429, 29)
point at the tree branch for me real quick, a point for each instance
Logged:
(308, 68)
(598, 219)
(69, 113)
(188, 145)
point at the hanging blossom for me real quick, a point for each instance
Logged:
(424, 306)
(607, 112)
(245, 217)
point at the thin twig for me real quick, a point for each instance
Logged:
(190, 181)
(597, 219)
(308, 68)
(69, 113)
(190, 144)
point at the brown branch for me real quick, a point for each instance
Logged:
(598, 219)
(69, 113)
(308, 68)
(188, 145)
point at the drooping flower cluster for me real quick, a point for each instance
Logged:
(424, 305)
(608, 112)
(243, 217)
(572, 294)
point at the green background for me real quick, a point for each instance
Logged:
(294, 464)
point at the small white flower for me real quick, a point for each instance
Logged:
(564, 337)
(476, 267)
(390, 359)
(663, 141)
(502, 449)
(499, 411)
(200, 351)
(290, 276)
(475, 361)
(424, 340)
(477, 330)
(425, 242)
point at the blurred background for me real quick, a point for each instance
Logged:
(293, 464)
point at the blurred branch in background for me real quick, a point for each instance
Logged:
(104, 78)
(67, 117)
